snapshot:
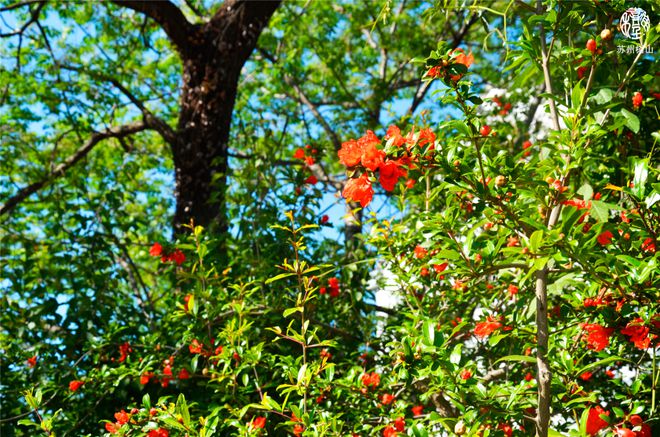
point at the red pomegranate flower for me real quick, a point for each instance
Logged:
(420, 252)
(372, 158)
(597, 337)
(389, 432)
(359, 190)
(605, 238)
(32, 361)
(122, 417)
(387, 398)
(594, 422)
(350, 153)
(400, 424)
(390, 172)
(371, 379)
(638, 333)
(394, 134)
(75, 385)
(156, 250)
(484, 329)
(258, 422)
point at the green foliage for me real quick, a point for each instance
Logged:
(101, 329)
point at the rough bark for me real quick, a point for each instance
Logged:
(212, 54)
(212, 65)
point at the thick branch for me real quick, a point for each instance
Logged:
(150, 120)
(97, 137)
(315, 110)
(238, 24)
(168, 16)
(19, 5)
(34, 16)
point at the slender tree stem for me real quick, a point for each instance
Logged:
(544, 375)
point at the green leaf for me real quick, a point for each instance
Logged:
(494, 339)
(173, 423)
(428, 332)
(576, 95)
(535, 241)
(455, 357)
(631, 120)
(641, 173)
(586, 191)
(287, 312)
(600, 210)
(604, 96)
(523, 358)
(278, 277)
(600, 363)
(419, 430)
(28, 422)
(182, 409)
(301, 374)
(192, 304)
(444, 255)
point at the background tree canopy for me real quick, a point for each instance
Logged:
(176, 248)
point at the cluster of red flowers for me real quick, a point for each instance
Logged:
(166, 374)
(638, 333)
(457, 56)
(484, 329)
(370, 379)
(121, 418)
(398, 426)
(364, 153)
(124, 350)
(637, 100)
(195, 347)
(597, 336)
(307, 154)
(177, 256)
(504, 107)
(332, 289)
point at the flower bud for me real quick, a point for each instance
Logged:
(460, 428)
(606, 34)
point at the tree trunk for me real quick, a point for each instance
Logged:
(212, 64)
